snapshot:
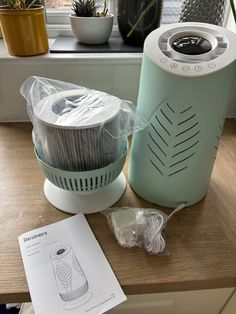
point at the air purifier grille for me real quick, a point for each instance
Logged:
(83, 181)
(173, 136)
(221, 45)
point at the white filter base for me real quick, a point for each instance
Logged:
(73, 203)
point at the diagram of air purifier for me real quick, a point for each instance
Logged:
(188, 71)
(71, 282)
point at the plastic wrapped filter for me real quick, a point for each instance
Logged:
(76, 128)
(73, 128)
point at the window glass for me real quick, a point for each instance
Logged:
(63, 4)
(58, 4)
(171, 11)
(58, 11)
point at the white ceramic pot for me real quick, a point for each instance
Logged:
(92, 30)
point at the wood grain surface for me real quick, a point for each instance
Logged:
(201, 240)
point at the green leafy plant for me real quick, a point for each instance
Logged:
(89, 8)
(20, 4)
(149, 6)
(85, 8)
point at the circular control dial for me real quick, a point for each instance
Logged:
(191, 45)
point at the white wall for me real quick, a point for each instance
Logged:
(118, 77)
(115, 77)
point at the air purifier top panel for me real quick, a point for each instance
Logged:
(77, 109)
(60, 252)
(191, 49)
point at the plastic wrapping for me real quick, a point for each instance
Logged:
(141, 227)
(76, 128)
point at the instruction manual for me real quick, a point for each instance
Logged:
(67, 271)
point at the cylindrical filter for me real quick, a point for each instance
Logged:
(70, 278)
(210, 11)
(187, 75)
(76, 129)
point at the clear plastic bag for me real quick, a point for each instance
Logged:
(141, 227)
(76, 128)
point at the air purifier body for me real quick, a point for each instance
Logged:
(187, 75)
(69, 276)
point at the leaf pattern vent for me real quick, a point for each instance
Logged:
(64, 274)
(173, 138)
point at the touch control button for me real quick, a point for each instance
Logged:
(211, 65)
(198, 68)
(186, 68)
(174, 65)
(163, 60)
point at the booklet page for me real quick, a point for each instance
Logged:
(67, 271)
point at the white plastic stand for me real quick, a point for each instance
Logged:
(74, 203)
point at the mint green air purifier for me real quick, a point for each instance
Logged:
(188, 72)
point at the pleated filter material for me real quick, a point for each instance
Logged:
(210, 11)
(78, 131)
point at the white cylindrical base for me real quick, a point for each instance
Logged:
(73, 203)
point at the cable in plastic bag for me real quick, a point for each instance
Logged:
(141, 227)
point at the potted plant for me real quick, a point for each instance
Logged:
(89, 25)
(137, 18)
(23, 28)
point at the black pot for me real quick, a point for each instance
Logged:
(128, 13)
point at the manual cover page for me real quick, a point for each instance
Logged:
(67, 271)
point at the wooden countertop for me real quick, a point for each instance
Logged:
(201, 241)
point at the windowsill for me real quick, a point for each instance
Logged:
(131, 58)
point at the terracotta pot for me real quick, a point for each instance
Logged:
(24, 31)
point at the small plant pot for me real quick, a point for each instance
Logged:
(24, 31)
(92, 30)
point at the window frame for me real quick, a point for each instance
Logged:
(58, 22)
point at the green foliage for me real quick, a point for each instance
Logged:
(149, 6)
(88, 8)
(105, 8)
(20, 4)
